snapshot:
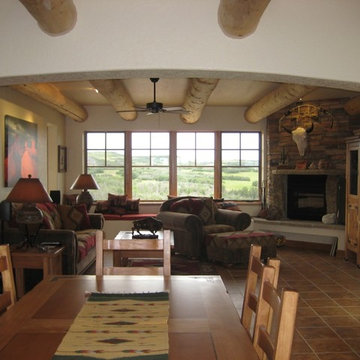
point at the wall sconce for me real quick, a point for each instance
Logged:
(85, 182)
(29, 191)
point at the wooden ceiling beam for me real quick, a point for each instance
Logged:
(55, 17)
(239, 18)
(197, 95)
(275, 100)
(50, 95)
(352, 107)
(115, 92)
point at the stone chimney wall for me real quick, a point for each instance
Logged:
(325, 142)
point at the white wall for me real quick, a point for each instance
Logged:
(307, 40)
(20, 106)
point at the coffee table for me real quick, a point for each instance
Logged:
(136, 249)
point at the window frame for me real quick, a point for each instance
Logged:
(217, 192)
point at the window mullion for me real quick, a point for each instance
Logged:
(128, 164)
(217, 165)
(173, 164)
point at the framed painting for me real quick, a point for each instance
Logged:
(62, 159)
(21, 150)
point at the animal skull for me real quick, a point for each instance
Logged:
(299, 135)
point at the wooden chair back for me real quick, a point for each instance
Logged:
(256, 275)
(273, 341)
(157, 246)
(8, 296)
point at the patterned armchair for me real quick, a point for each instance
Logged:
(193, 218)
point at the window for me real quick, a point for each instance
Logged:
(147, 165)
(240, 165)
(150, 165)
(195, 163)
(105, 153)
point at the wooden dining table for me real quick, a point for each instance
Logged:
(203, 322)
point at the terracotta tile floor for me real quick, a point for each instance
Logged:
(328, 318)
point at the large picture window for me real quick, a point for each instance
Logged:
(153, 165)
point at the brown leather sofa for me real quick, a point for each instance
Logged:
(192, 218)
(71, 227)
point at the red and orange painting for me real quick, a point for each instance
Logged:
(21, 150)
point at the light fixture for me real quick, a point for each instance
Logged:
(85, 182)
(29, 191)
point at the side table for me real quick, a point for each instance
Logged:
(32, 258)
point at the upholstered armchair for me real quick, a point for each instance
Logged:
(193, 218)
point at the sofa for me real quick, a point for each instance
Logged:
(70, 225)
(192, 218)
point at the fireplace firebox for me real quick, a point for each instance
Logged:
(306, 197)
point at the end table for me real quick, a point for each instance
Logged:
(33, 258)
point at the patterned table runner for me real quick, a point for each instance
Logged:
(119, 326)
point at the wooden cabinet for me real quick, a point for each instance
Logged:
(352, 227)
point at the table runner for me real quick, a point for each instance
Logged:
(119, 326)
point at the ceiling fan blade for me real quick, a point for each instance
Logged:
(137, 109)
(175, 110)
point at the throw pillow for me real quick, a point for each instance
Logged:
(74, 217)
(48, 221)
(132, 206)
(204, 208)
(52, 219)
(118, 210)
(182, 206)
(103, 206)
(117, 200)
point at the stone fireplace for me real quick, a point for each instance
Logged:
(313, 192)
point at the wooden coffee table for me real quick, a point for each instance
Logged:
(136, 249)
(33, 258)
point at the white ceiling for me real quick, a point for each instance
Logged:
(171, 92)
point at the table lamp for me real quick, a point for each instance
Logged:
(29, 191)
(84, 182)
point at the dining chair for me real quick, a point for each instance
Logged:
(273, 341)
(257, 273)
(135, 248)
(8, 296)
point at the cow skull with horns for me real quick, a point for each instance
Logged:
(302, 114)
(299, 135)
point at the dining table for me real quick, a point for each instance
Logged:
(203, 323)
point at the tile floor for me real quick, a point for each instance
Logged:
(328, 318)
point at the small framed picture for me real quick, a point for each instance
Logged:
(62, 159)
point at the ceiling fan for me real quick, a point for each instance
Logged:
(155, 107)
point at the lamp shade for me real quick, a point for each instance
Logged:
(29, 190)
(84, 182)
